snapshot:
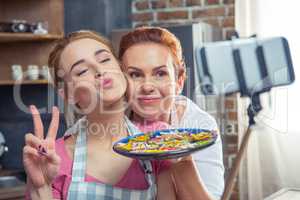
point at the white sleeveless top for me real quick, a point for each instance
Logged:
(209, 161)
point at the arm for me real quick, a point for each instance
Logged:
(165, 187)
(44, 192)
(209, 162)
(188, 183)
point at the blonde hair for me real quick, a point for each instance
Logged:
(60, 45)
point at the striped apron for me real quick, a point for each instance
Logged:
(79, 189)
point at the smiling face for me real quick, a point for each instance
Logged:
(151, 77)
(92, 74)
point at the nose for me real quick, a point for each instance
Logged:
(99, 74)
(148, 87)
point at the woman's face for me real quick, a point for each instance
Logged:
(92, 74)
(151, 77)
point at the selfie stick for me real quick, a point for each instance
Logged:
(253, 109)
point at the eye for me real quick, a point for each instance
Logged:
(82, 72)
(105, 60)
(134, 75)
(161, 73)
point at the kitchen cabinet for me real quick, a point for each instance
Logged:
(24, 49)
(28, 48)
(99, 15)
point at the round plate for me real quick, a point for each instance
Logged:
(210, 138)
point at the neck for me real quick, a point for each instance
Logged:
(106, 127)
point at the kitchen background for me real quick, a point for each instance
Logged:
(59, 17)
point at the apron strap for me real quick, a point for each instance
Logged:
(79, 163)
(146, 164)
(132, 129)
(149, 175)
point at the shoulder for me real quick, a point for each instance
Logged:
(62, 181)
(62, 148)
(64, 143)
(194, 116)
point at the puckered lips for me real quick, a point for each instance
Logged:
(106, 83)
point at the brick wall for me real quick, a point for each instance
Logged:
(216, 12)
(164, 12)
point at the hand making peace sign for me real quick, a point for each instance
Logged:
(39, 157)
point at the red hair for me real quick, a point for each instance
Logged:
(157, 35)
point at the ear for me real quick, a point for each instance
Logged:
(180, 82)
(61, 93)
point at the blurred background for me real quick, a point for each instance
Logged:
(28, 29)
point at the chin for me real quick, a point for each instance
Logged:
(110, 102)
(111, 95)
(149, 115)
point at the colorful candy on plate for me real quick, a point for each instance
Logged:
(170, 143)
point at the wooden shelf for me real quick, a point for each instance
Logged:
(25, 82)
(27, 48)
(19, 37)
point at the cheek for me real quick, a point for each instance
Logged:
(133, 88)
(123, 85)
(168, 90)
(167, 101)
(131, 91)
(83, 91)
(82, 94)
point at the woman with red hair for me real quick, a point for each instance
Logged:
(153, 62)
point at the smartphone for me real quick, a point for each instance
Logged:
(248, 66)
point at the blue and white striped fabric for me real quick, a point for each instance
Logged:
(81, 190)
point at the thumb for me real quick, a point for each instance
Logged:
(53, 158)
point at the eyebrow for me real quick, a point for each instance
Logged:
(155, 69)
(135, 68)
(76, 63)
(82, 60)
(159, 67)
(101, 51)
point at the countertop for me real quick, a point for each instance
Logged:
(15, 192)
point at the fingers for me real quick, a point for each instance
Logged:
(181, 159)
(33, 140)
(37, 122)
(29, 151)
(52, 131)
(53, 157)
